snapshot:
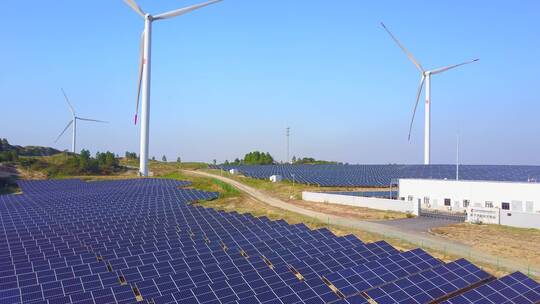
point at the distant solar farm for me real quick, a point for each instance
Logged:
(143, 241)
(384, 175)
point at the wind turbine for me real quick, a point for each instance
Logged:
(73, 122)
(144, 72)
(425, 78)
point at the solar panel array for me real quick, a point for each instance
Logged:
(143, 241)
(384, 175)
(513, 288)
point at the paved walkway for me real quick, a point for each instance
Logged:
(419, 224)
(421, 239)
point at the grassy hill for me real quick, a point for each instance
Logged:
(10, 157)
(5, 146)
(69, 164)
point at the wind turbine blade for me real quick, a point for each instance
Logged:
(88, 119)
(420, 87)
(446, 68)
(69, 103)
(135, 7)
(409, 54)
(69, 124)
(184, 10)
(141, 63)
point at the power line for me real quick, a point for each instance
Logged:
(288, 133)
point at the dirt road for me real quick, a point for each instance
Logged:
(421, 239)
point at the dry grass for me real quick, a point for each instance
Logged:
(288, 192)
(158, 168)
(360, 213)
(95, 178)
(497, 240)
(24, 173)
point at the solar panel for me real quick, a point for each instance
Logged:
(431, 285)
(136, 240)
(358, 279)
(513, 288)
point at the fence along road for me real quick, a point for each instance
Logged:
(422, 240)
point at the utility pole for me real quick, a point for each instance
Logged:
(292, 195)
(457, 157)
(288, 133)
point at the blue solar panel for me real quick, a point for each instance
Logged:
(142, 240)
(513, 288)
(431, 285)
(359, 279)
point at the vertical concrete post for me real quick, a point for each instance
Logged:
(416, 207)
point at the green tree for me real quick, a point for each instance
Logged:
(14, 155)
(4, 144)
(258, 158)
(311, 160)
(107, 161)
(9, 156)
(164, 158)
(85, 154)
(111, 160)
(178, 160)
(131, 155)
(84, 160)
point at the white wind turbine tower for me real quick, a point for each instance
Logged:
(144, 72)
(73, 122)
(425, 78)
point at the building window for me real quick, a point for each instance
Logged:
(505, 206)
(466, 203)
(517, 206)
(426, 200)
(489, 204)
(410, 198)
(447, 202)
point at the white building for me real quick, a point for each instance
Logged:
(276, 178)
(452, 195)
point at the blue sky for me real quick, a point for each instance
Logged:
(229, 78)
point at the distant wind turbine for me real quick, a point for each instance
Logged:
(144, 72)
(73, 122)
(424, 78)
